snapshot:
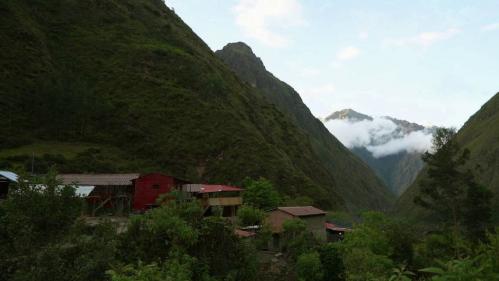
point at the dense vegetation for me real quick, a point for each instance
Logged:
(359, 185)
(175, 242)
(480, 136)
(127, 86)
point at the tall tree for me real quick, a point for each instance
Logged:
(451, 191)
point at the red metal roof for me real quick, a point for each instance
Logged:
(334, 227)
(210, 188)
(302, 211)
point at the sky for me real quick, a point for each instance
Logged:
(431, 62)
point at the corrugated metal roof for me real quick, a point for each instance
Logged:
(9, 175)
(243, 233)
(210, 188)
(98, 179)
(333, 227)
(302, 211)
(84, 191)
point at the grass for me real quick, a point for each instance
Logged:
(68, 150)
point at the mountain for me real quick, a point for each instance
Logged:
(116, 86)
(384, 143)
(352, 179)
(348, 114)
(480, 135)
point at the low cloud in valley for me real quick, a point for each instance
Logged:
(380, 136)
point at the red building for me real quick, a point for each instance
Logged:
(149, 187)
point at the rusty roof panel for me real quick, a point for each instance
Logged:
(98, 179)
(302, 211)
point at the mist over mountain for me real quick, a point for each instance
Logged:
(392, 147)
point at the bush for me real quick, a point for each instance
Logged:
(309, 267)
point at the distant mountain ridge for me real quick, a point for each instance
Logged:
(359, 185)
(398, 170)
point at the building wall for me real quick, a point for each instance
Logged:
(149, 187)
(315, 224)
(276, 218)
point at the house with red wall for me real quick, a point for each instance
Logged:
(148, 187)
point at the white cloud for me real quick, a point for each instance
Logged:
(426, 39)
(380, 136)
(347, 53)
(491, 27)
(259, 19)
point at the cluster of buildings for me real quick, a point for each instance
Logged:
(119, 194)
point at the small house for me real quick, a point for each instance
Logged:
(225, 198)
(313, 217)
(6, 178)
(334, 232)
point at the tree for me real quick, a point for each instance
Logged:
(332, 262)
(247, 216)
(41, 237)
(309, 267)
(451, 191)
(478, 211)
(261, 194)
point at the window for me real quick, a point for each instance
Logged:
(155, 186)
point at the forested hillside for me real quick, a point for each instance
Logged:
(104, 86)
(480, 135)
(358, 182)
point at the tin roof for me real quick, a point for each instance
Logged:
(9, 176)
(210, 188)
(333, 227)
(98, 179)
(243, 233)
(302, 211)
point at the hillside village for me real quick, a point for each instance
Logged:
(133, 150)
(122, 195)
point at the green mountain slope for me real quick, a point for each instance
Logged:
(480, 135)
(398, 171)
(353, 180)
(108, 85)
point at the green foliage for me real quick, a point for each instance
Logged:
(463, 270)
(479, 135)
(152, 236)
(261, 194)
(247, 216)
(450, 191)
(41, 239)
(478, 211)
(175, 269)
(297, 201)
(296, 239)
(309, 267)
(401, 274)
(375, 247)
(341, 218)
(332, 262)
